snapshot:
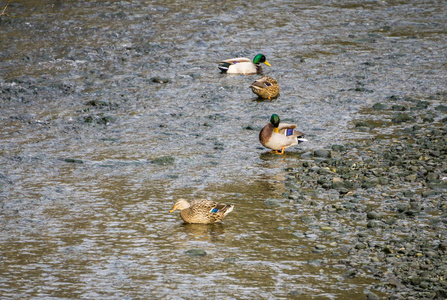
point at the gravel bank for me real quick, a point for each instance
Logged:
(383, 198)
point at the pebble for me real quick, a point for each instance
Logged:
(311, 236)
(320, 247)
(160, 80)
(322, 153)
(197, 252)
(163, 160)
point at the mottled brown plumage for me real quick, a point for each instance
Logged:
(265, 87)
(202, 211)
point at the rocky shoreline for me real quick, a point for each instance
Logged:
(381, 200)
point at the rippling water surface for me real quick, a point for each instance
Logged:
(95, 151)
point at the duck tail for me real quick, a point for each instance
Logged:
(223, 67)
(228, 209)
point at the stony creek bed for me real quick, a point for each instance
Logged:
(112, 110)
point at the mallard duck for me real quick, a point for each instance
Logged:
(279, 136)
(202, 211)
(265, 87)
(243, 65)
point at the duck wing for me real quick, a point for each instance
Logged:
(283, 126)
(206, 211)
(236, 60)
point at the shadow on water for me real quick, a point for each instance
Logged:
(203, 232)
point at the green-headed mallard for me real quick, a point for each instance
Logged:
(243, 65)
(265, 87)
(279, 136)
(202, 211)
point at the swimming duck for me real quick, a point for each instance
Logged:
(279, 136)
(202, 211)
(243, 65)
(265, 87)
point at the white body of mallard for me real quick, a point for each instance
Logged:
(243, 65)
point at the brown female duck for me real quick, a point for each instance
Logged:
(202, 211)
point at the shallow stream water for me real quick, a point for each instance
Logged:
(111, 110)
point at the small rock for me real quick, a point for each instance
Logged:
(432, 177)
(401, 207)
(159, 80)
(385, 28)
(416, 280)
(393, 282)
(311, 236)
(271, 202)
(370, 182)
(400, 118)
(374, 224)
(379, 106)
(338, 148)
(164, 160)
(98, 103)
(435, 153)
(443, 246)
(398, 108)
(338, 183)
(196, 252)
(326, 228)
(307, 219)
(322, 153)
(73, 160)
(422, 104)
(296, 293)
(230, 259)
(363, 129)
(441, 108)
(320, 247)
(334, 154)
(298, 234)
(363, 124)
(372, 215)
(387, 250)
(371, 296)
(360, 246)
(350, 273)
(315, 262)
(377, 171)
(411, 177)
(375, 259)
(429, 193)
(324, 171)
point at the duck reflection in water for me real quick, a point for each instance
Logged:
(203, 232)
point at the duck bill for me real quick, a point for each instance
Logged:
(267, 63)
(173, 209)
